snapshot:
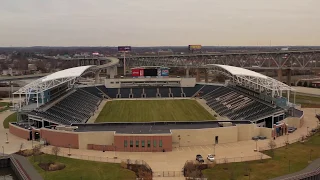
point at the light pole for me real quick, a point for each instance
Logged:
(69, 150)
(310, 154)
(241, 156)
(3, 150)
(7, 138)
(256, 145)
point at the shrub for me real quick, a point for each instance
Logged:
(56, 166)
(123, 165)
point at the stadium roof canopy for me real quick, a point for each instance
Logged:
(251, 79)
(55, 79)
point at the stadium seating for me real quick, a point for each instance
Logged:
(125, 92)
(78, 107)
(176, 92)
(150, 92)
(236, 105)
(94, 90)
(164, 92)
(191, 91)
(137, 92)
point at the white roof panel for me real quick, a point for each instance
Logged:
(241, 71)
(66, 73)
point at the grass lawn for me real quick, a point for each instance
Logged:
(4, 106)
(81, 169)
(297, 153)
(11, 118)
(153, 110)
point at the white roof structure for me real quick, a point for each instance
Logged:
(251, 79)
(53, 80)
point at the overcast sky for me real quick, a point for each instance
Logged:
(159, 22)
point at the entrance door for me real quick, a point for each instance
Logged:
(30, 135)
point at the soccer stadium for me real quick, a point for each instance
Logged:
(151, 111)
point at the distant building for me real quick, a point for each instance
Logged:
(32, 67)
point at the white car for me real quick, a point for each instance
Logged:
(210, 157)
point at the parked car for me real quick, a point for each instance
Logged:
(255, 138)
(262, 137)
(210, 157)
(199, 158)
(291, 129)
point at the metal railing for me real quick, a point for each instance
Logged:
(167, 174)
(18, 169)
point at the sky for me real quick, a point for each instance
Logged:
(159, 22)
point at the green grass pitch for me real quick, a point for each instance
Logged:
(153, 110)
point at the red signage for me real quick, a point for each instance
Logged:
(137, 72)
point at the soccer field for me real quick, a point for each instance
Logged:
(153, 110)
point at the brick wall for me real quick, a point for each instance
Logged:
(60, 138)
(18, 131)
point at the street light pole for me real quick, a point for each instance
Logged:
(69, 150)
(7, 138)
(256, 145)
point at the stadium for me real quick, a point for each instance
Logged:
(151, 111)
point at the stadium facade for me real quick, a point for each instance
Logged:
(56, 109)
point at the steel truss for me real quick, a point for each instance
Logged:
(300, 60)
(266, 85)
(39, 86)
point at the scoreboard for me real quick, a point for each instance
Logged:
(150, 72)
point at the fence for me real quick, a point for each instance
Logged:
(168, 174)
(98, 158)
(240, 159)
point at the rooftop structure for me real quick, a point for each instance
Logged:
(252, 80)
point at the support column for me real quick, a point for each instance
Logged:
(206, 75)
(280, 75)
(124, 63)
(289, 77)
(187, 72)
(115, 70)
(198, 75)
(97, 77)
(112, 72)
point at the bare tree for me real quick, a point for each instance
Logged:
(225, 162)
(261, 157)
(36, 151)
(55, 150)
(272, 145)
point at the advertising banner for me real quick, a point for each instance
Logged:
(164, 72)
(135, 72)
(124, 48)
(195, 47)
